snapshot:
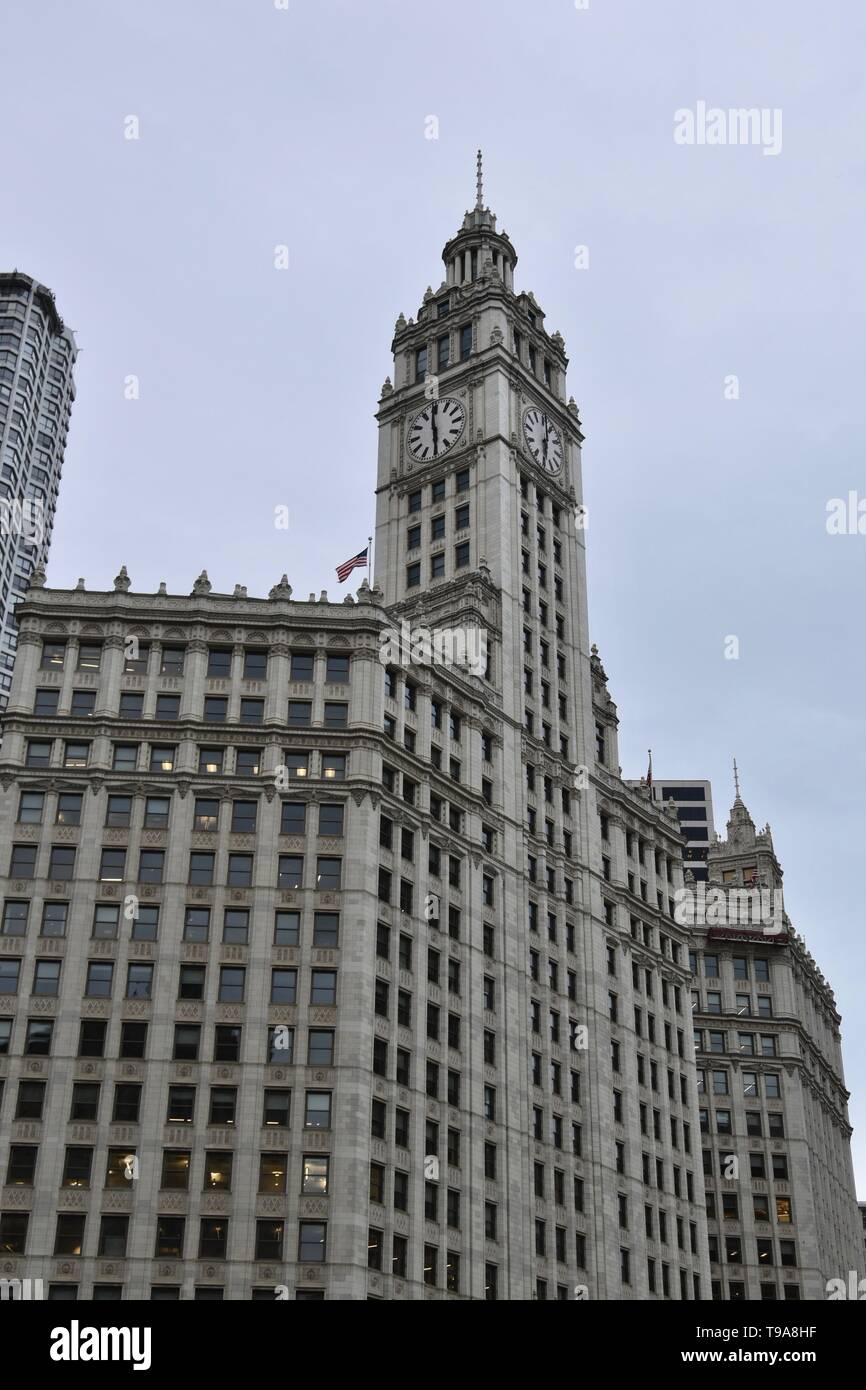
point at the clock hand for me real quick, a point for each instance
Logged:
(433, 427)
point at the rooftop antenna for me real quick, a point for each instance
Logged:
(479, 196)
(736, 781)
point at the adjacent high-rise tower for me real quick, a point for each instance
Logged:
(37, 354)
(694, 805)
(781, 1207)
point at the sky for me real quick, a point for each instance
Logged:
(714, 323)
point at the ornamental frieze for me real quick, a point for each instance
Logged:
(72, 1199)
(17, 1197)
(216, 1203)
(116, 1201)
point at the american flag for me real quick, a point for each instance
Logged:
(344, 570)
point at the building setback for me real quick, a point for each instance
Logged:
(338, 972)
(37, 355)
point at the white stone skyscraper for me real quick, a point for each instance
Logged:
(337, 958)
(37, 354)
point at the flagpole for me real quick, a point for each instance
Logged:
(370, 561)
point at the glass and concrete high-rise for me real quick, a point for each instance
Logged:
(335, 952)
(694, 803)
(37, 354)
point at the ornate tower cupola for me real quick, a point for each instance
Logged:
(478, 249)
(746, 857)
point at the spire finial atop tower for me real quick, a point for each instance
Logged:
(479, 195)
(736, 782)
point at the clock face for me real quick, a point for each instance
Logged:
(542, 440)
(436, 428)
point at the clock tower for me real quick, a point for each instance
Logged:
(479, 474)
(480, 524)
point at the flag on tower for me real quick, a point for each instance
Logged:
(344, 570)
(649, 771)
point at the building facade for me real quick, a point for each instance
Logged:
(37, 355)
(337, 958)
(781, 1209)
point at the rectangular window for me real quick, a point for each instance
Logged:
(227, 1043)
(151, 864)
(139, 981)
(300, 714)
(106, 918)
(247, 762)
(240, 871)
(272, 1172)
(29, 808)
(168, 707)
(317, 1110)
(68, 1236)
(76, 755)
(255, 664)
(77, 1167)
(38, 753)
(236, 926)
(89, 656)
(210, 760)
(119, 811)
(232, 981)
(329, 874)
(53, 655)
(323, 987)
(172, 661)
(252, 711)
(196, 924)
(68, 808)
(326, 929)
(15, 918)
(223, 1104)
(125, 757)
(287, 928)
(290, 871)
(284, 986)
(219, 662)
(244, 814)
(336, 715)
(213, 1238)
(99, 979)
(133, 1039)
(337, 670)
(293, 818)
(201, 869)
(334, 766)
(156, 812)
(331, 819)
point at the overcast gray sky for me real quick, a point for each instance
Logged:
(306, 126)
